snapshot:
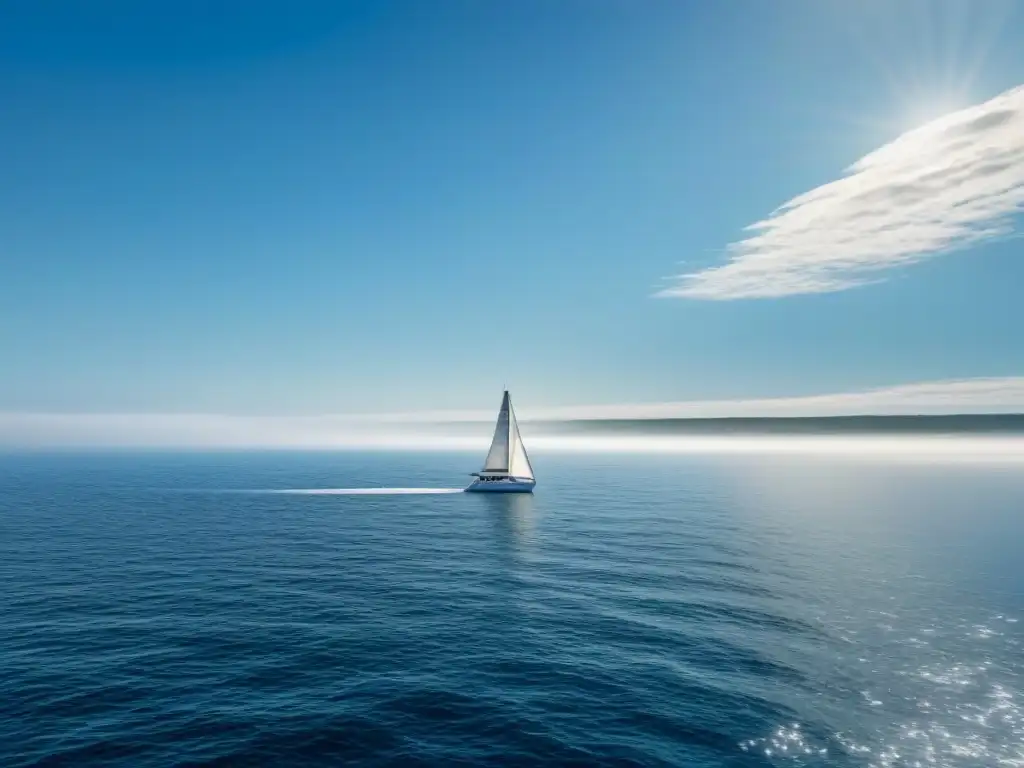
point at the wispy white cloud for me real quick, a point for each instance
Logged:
(439, 430)
(951, 183)
(983, 395)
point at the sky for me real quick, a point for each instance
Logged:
(265, 209)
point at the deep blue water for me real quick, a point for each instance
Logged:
(160, 610)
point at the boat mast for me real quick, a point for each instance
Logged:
(508, 433)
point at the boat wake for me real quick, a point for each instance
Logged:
(362, 491)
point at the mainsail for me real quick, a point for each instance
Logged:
(508, 454)
(497, 457)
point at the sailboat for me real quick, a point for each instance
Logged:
(507, 467)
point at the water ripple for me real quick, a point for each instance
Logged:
(621, 616)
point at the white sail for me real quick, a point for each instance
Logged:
(498, 457)
(519, 462)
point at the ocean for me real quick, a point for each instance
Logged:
(187, 609)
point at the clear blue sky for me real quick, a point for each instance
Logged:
(270, 207)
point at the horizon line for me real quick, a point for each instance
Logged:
(965, 396)
(980, 397)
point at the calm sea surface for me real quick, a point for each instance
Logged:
(160, 610)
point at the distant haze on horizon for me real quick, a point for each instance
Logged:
(434, 428)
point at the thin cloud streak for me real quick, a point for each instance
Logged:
(952, 183)
(429, 431)
(983, 395)
(978, 395)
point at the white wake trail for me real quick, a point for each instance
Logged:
(362, 491)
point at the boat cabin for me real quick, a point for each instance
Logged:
(491, 478)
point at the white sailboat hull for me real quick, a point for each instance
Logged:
(504, 485)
